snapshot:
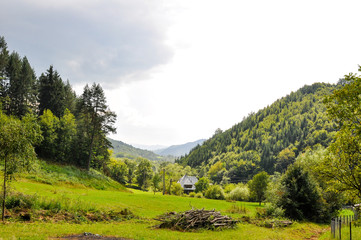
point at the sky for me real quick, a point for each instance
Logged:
(176, 70)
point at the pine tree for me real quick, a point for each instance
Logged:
(52, 93)
(96, 120)
(301, 198)
(69, 97)
(4, 59)
(22, 86)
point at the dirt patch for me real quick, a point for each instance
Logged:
(317, 234)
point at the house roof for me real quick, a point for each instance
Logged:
(188, 180)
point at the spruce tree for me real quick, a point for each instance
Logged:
(4, 59)
(95, 121)
(22, 86)
(51, 92)
(301, 198)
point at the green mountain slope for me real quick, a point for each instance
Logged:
(270, 139)
(121, 149)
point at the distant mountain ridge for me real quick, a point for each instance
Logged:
(179, 150)
(121, 149)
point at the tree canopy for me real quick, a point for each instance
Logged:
(344, 159)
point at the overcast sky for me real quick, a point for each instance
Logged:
(175, 71)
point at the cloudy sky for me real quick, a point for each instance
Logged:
(176, 70)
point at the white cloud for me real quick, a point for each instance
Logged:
(174, 71)
(89, 41)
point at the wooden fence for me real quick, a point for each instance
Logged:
(339, 223)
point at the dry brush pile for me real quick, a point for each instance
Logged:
(195, 219)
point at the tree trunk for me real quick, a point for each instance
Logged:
(163, 181)
(90, 153)
(91, 143)
(4, 193)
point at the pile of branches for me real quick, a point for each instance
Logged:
(195, 219)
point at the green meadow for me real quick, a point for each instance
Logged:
(145, 206)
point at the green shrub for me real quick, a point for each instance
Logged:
(19, 200)
(239, 194)
(229, 187)
(177, 189)
(192, 194)
(214, 192)
(199, 195)
(274, 211)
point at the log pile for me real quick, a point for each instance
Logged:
(195, 219)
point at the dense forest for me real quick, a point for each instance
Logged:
(269, 140)
(73, 128)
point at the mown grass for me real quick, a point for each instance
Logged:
(138, 229)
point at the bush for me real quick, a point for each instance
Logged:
(239, 194)
(229, 187)
(20, 200)
(177, 189)
(198, 195)
(192, 194)
(215, 192)
(274, 211)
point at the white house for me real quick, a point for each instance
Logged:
(188, 183)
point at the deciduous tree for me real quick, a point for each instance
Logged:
(144, 173)
(17, 140)
(202, 185)
(344, 161)
(258, 186)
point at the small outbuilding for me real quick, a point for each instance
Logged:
(188, 183)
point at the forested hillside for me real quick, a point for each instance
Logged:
(121, 150)
(268, 140)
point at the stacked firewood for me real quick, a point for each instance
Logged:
(195, 219)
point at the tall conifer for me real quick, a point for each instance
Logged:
(51, 92)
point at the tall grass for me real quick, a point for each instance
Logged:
(55, 174)
(34, 208)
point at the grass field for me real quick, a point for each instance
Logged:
(145, 206)
(75, 191)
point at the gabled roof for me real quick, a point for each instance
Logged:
(187, 180)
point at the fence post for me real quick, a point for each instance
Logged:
(339, 228)
(350, 231)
